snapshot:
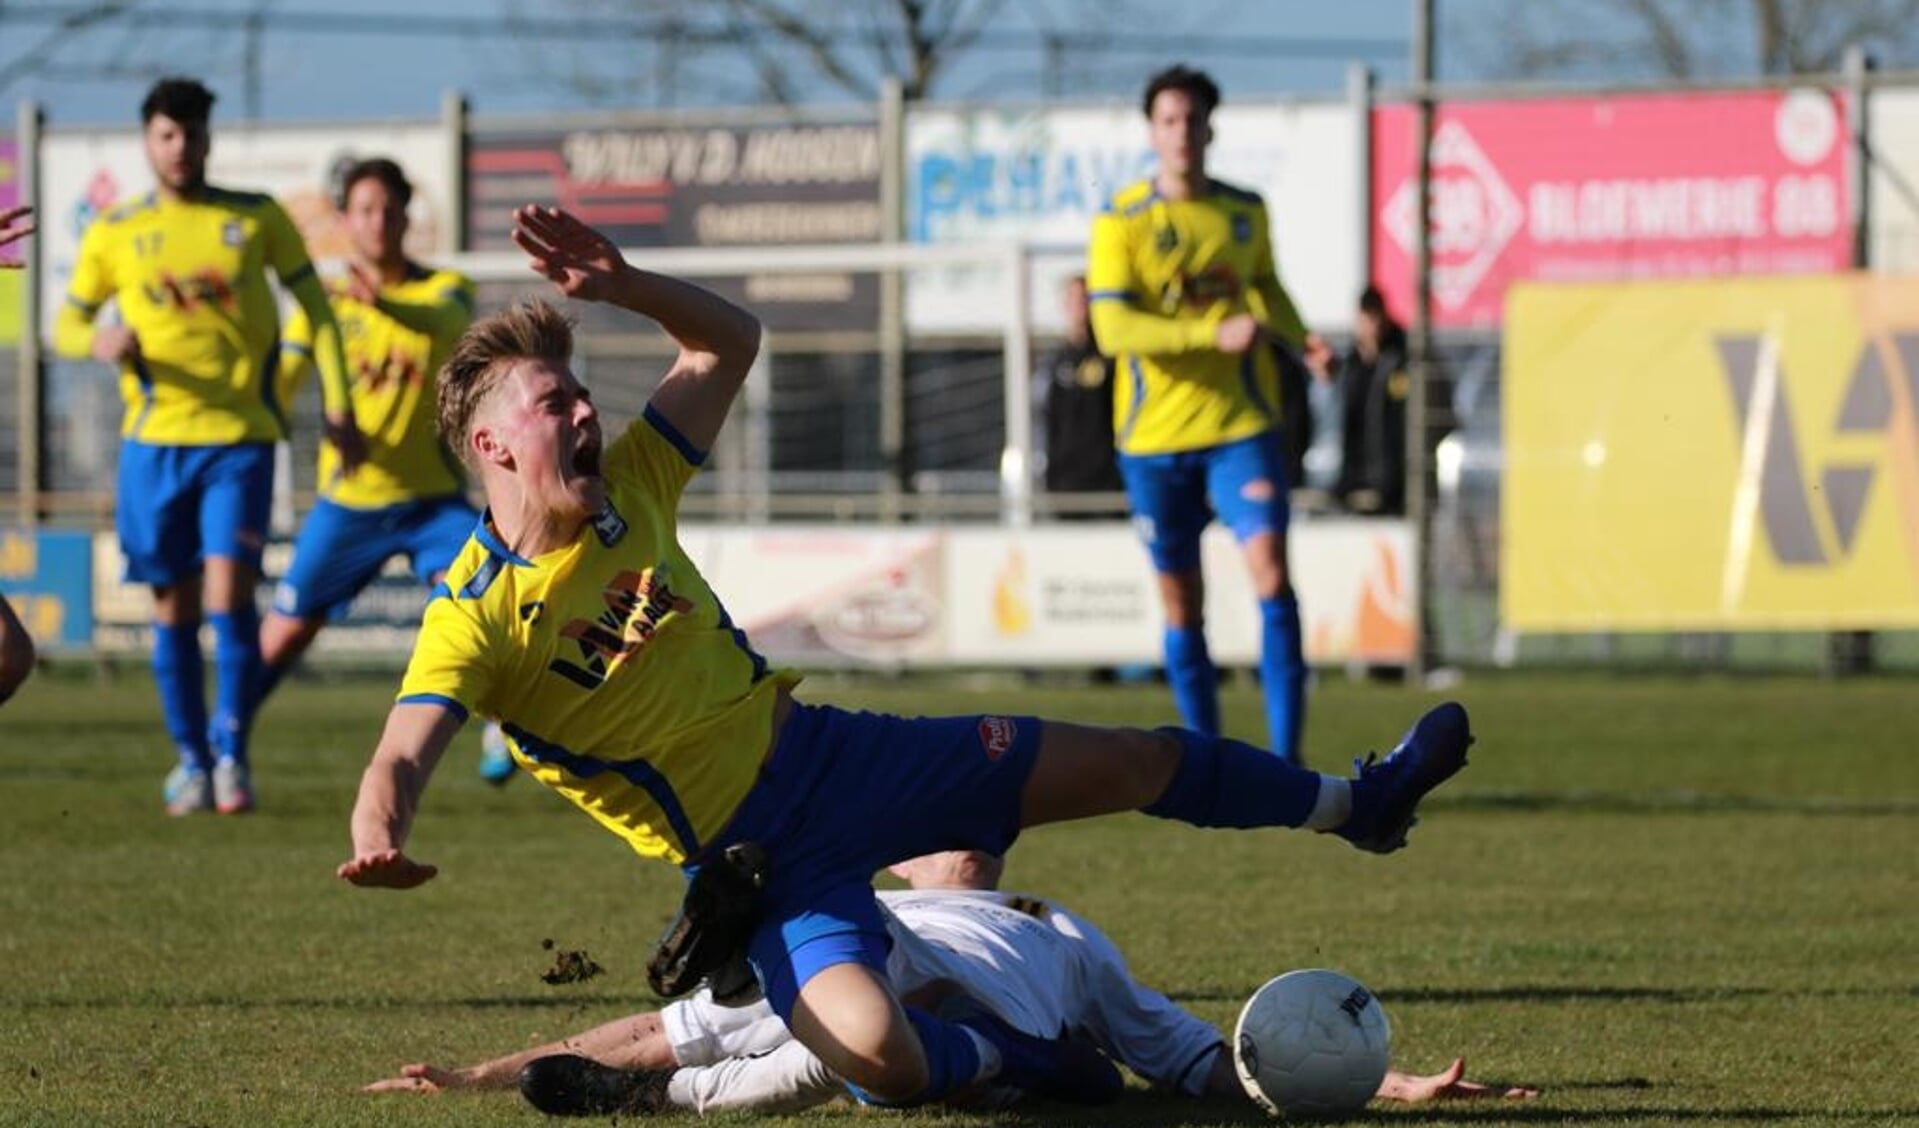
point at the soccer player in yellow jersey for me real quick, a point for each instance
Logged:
(399, 321)
(575, 618)
(197, 344)
(1186, 296)
(16, 645)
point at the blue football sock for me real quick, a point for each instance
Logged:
(180, 674)
(1225, 783)
(1282, 673)
(1189, 669)
(267, 681)
(236, 652)
(952, 1061)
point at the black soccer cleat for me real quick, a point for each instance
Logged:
(570, 1085)
(1387, 792)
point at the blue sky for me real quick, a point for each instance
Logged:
(329, 75)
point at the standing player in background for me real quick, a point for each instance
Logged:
(575, 617)
(399, 321)
(1186, 296)
(197, 344)
(16, 645)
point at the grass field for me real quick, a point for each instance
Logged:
(1662, 901)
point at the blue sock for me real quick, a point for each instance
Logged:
(180, 674)
(1226, 783)
(1282, 673)
(267, 681)
(952, 1060)
(236, 653)
(1189, 669)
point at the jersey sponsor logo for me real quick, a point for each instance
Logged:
(1166, 239)
(232, 234)
(1242, 229)
(996, 735)
(637, 605)
(373, 375)
(1217, 283)
(202, 289)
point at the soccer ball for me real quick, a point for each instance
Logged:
(1311, 1043)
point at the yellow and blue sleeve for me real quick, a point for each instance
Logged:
(91, 286)
(449, 666)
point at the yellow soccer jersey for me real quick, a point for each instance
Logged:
(394, 352)
(620, 680)
(1161, 275)
(190, 279)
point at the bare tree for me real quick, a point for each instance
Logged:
(792, 51)
(1671, 39)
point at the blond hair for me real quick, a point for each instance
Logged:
(530, 330)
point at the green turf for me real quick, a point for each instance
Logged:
(1662, 901)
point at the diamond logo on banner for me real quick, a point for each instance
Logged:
(1474, 215)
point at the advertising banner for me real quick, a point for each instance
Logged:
(1892, 178)
(48, 577)
(1596, 188)
(1739, 454)
(12, 307)
(690, 185)
(1039, 176)
(84, 173)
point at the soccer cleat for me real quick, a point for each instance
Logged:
(188, 791)
(496, 761)
(570, 1085)
(1386, 792)
(232, 788)
(1052, 1068)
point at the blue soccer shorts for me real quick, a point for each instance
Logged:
(340, 550)
(846, 794)
(178, 505)
(1175, 496)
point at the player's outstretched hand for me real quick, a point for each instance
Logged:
(576, 258)
(13, 228)
(386, 869)
(421, 1078)
(1451, 1085)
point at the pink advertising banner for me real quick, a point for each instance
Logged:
(1606, 188)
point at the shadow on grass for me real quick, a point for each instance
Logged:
(1672, 802)
(1569, 993)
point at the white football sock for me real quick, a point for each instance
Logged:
(1333, 804)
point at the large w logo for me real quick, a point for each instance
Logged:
(1818, 524)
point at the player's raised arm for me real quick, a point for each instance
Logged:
(718, 340)
(416, 735)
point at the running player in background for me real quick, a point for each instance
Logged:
(197, 343)
(1029, 960)
(399, 321)
(576, 617)
(1186, 296)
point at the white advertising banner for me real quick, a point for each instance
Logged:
(83, 173)
(1086, 596)
(1892, 179)
(1038, 176)
(834, 596)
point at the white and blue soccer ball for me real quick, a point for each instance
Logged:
(1311, 1043)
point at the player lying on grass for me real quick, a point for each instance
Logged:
(1030, 961)
(576, 619)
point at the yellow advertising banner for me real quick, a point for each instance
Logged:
(1711, 455)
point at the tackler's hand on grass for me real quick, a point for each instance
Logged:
(1449, 1085)
(386, 869)
(423, 1078)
